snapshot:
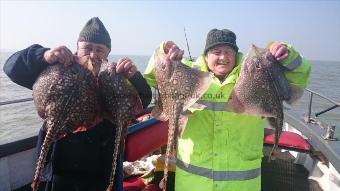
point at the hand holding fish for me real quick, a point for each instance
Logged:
(126, 67)
(60, 54)
(279, 50)
(172, 51)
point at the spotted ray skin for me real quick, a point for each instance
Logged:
(261, 89)
(121, 102)
(179, 87)
(66, 98)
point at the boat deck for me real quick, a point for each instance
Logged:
(283, 174)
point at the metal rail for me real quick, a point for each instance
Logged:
(329, 129)
(15, 101)
(336, 104)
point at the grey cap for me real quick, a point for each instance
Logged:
(95, 31)
(217, 37)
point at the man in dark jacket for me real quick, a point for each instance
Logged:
(79, 161)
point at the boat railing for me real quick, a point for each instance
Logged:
(329, 135)
(15, 101)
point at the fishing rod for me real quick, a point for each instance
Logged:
(186, 39)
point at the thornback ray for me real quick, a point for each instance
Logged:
(261, 89)
(121, 104)
(179, 87)
(63, 96)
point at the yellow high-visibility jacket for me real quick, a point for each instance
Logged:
(222, 150)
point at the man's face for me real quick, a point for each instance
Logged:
(94, 51)
(221, 60)
(97, 52)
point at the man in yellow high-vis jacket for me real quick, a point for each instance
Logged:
(222, 150)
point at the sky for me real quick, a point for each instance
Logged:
(137, 27)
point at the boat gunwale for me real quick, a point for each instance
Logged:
(313, 132)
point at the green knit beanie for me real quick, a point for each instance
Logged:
(95, 31)
(217, 37)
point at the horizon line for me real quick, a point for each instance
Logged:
(122, 54)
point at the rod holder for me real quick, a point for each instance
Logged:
(329, 134)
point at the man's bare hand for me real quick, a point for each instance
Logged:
(61, 55)
(279, 50)
(172, 51)
(126, 67)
